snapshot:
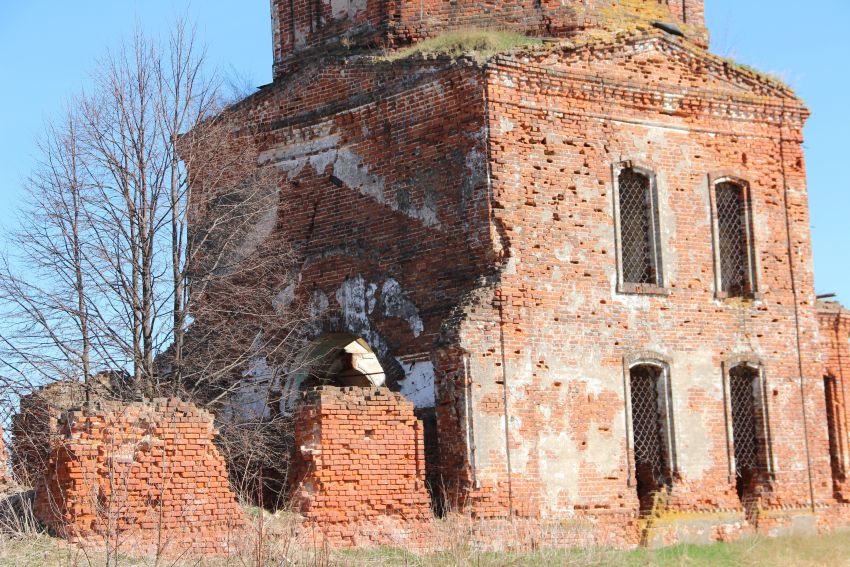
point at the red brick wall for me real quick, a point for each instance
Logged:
(146, 477)
(558, 124)
(305, 26)
(359, 467)
(834, 323)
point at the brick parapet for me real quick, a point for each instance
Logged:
(145, 476)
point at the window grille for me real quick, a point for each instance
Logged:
(650, 458)
(733, 231)
(639, 260)
(742, 382)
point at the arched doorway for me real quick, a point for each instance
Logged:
(338, 359)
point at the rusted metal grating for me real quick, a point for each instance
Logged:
(732, 234)
(636, 238)
(742, 381)
(646, 421)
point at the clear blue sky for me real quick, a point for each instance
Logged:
(48, 47)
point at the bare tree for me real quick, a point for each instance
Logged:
(147, 249)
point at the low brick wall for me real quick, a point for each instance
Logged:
(359, 468)
(146, 477)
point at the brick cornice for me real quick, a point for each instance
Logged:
(772, 104)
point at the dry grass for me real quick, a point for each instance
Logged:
(278, 550)
(276, 541)
(477, 43)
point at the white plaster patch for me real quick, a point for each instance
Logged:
(249, 401)
(418, 384)
(350, 169)
(318, 304)
(564, 253)
(396, 304)
(318, 148)
(696, 452)
(346, 9)
(370, 297)
(559, 460)
(351, 297)
(300, 38)
(257, 234)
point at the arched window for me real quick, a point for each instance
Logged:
(735, 253)
(640, 257)
(652, 431)
(750, 442)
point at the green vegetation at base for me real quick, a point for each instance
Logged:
(820, 551)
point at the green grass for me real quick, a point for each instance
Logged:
(480, 44)
(831, 551)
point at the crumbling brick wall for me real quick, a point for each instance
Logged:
(359, 469)
(35, 427)
(145, 476)
(561, 331)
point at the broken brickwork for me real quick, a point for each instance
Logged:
(358, 473)
(35, 427)
(463, 217)
(835, 333)
(145, 477)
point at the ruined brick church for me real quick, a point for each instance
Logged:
(583, 262)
